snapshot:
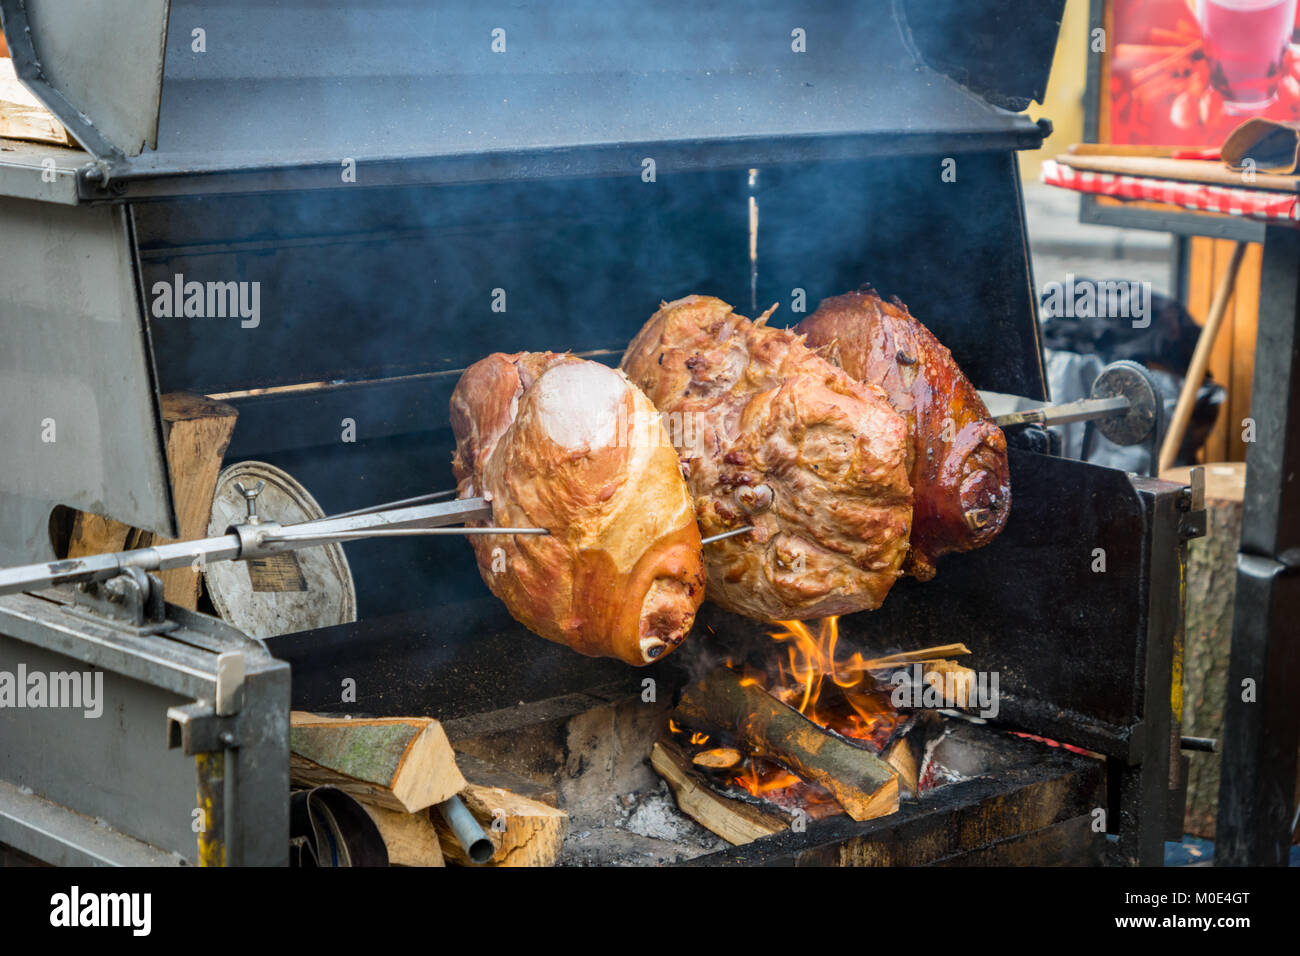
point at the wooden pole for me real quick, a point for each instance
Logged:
(1200, 360)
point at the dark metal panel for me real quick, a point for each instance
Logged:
(96, 64)
(367, 283)
(1261, 724)
(954, 251)
(1270, 523)
(968, 41)
(81, 425)
(358, 284)
(414, 92)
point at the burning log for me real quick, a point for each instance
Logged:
(724, 701)
(736, 822)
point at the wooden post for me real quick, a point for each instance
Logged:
(1211, 591)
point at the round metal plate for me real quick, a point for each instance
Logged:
(1128, 379)
(281, 593)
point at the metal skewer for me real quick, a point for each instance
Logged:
(325, 537)
(401, 503)
(726, 534)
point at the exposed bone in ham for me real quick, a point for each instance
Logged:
(557, 442)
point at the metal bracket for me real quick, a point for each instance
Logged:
(133, 598)
(197, 729)
(1192, 517)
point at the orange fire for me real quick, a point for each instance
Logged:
(837, 694)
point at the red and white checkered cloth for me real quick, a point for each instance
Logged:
(1255, 203)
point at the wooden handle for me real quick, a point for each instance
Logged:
(1200, 360)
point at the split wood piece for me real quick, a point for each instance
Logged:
(525, 832)
(22, 115)
(401, 763)
(949, 676)
(198, 431)
(920, 656)
(735, 821)
(410, 837)
(717, 758)
(865, 786)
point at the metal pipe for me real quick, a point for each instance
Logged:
(472, 838)
(1209, 745)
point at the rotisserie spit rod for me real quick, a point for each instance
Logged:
(256, 538)
(1085, 409)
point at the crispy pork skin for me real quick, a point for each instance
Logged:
(957, 456)
(774, 436)
(557, 442)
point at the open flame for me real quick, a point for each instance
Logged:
(836, 693)
(840, 695)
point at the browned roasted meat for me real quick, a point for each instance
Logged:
(557, 442)
(774, 436)
(957, 456)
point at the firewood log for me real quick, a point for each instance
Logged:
(735, 821)
(525, 832)
(401, 763)
(410, 837)
(865, 786)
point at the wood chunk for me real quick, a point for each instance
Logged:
(922, 656)
(198, 431)
(487, 774)
(902, 757)
(525, 832)
(22, 116)
(718, 758)
(735, 821)
(410, 837)
(946, 676)
(95, 534)
(863, 784)
(401, 763)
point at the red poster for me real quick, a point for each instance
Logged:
(1189, 71)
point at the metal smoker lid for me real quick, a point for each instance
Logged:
(281, 593)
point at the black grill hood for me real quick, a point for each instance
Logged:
(284, 93)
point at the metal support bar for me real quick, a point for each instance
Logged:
(1261, 724)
